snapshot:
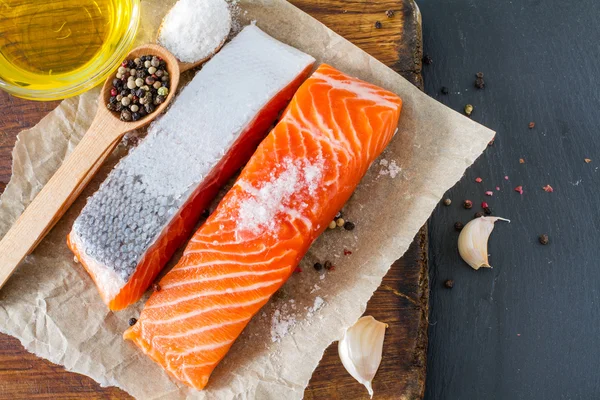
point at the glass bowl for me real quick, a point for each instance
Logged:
(22, 71)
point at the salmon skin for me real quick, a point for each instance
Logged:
(150, 203)
(292, 187)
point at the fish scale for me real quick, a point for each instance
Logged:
(150, 202)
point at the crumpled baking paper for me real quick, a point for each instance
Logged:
(51, 305)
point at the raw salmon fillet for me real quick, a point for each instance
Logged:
(150, 203)
(292, 187)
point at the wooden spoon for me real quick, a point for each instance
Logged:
(66, 184)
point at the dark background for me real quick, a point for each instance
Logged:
(529, 327)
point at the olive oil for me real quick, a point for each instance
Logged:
(50, 45)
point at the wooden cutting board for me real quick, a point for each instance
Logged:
(402, 299)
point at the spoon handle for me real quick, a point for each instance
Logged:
(56, 196)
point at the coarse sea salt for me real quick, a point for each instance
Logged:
(193, 30)
(389, 168)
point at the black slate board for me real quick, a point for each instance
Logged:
(528, 328)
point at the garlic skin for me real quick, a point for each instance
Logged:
(473, 241)
(361, 348)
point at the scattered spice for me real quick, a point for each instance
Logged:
(427, 59)
(519, 189)
(377, 25)
(505, 177)
(340, 222)
(318, 266)
(587, 160)
(332, 225)
(479, 82)
(447, 202)
(132, 321)
(349, 226)
(328, 265)
(389, 13)
(478, 214)
(458, 226)
(531, 125)
(347, 252)
(489, 193)
(487, 211)
(156, 287)
(445, 90)
(498, 188)
(544, 239)
(468, 110)
(478, 180)
(521, 161)
(449, 283)
(467, 204)
(138, 87)
(548, 189)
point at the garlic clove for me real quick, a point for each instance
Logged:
(361, 349)
(473, 241)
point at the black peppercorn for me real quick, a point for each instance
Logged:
(478, 214)
(117, 83)
(479, 83)
(159, 99)
(149, 107)
(111, 106)
(444, 90)
(125, 115)
(349, 225)
(479, 74)
(389, 13)
(427, 60)
(487, 211)
(458, 226)
(377, 25)
(544, 239)
(467, 204)
(135, 116)
(132, 321)
(328, 265)
(318, 266)
(140, 73)
(124, 92)
(118, 107)
(112, 99)
(449, 283)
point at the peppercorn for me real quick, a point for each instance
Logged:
(444, 90)
(544, 239)
(134, 107)
(124, 92)
(468, 109)
(458, 226)
(125, 101)
(479, 83)
(132, 321)
(349, 226)
(157, 85)
(135, 116)
(332, 225)
(110, 106)
(159, 99)
(125, 115)
(447, 202)
(163, 91)
(147, 64)
(118, 107)
(449, 283)
(478, 214)
(328, 265)
(156, 287)
(389, 13)
(487, 211)
(155, 63)
(377, 25)
(340, 222)
(318, 266)
(116, 82)
(149, 80)
(531, 125)
(140, 73)
(112, 99)
(427, 60)
(467, 204)
(149, 107)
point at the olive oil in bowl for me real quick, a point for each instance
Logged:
(52, 49)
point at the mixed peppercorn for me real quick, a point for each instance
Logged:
(139, 86)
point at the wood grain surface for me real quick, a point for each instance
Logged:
(401, 301)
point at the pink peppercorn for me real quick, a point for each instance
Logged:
(519, 189)
(478, 180)
(497, 187)
(548, 189)
(484, 204)
(113, 92)
(505, 177)
(489, 193)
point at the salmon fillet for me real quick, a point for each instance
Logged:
(292, 187)
(150, 203)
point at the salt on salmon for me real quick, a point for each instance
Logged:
(150, 203)
(292, 187)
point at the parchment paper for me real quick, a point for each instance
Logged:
(51, 305)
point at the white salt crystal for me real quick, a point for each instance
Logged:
(194, 29)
